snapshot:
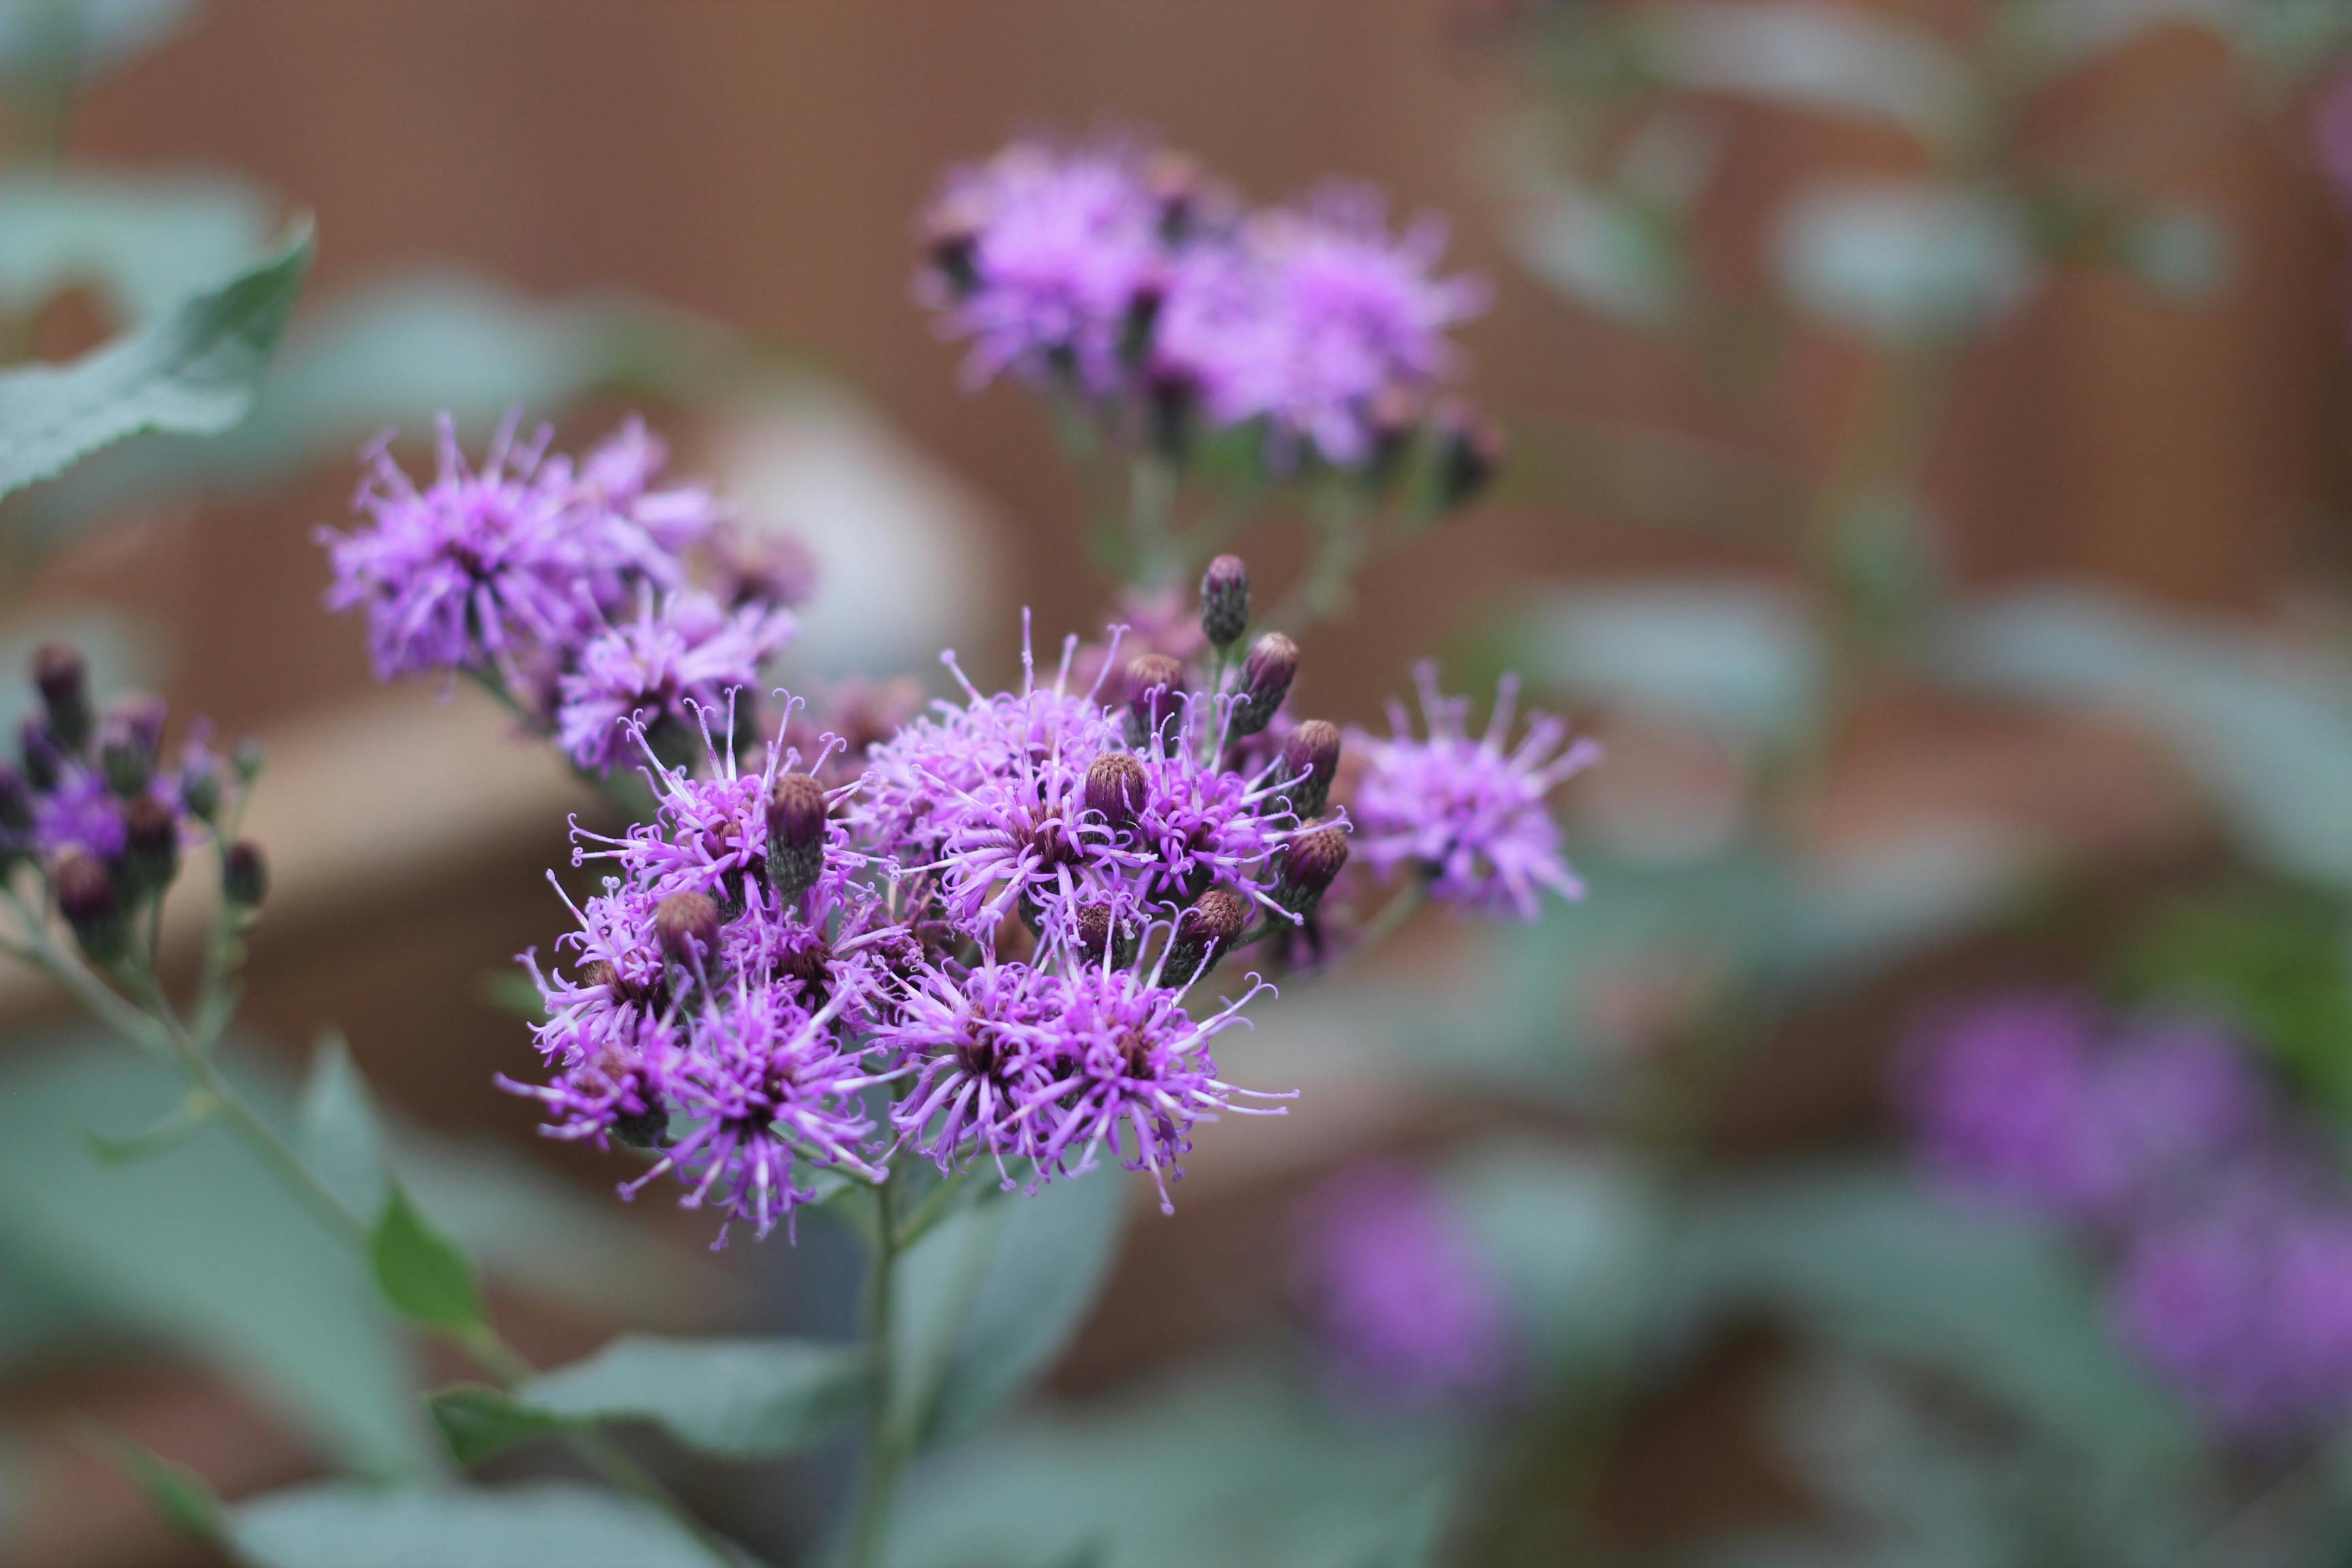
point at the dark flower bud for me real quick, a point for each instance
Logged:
(687, 925)
(64, 682)
(150, 845)
(1142, 320)
(1155, 685)
(1204, 932)
(952, 240)
(245, 875)
(1266, 675)
(88, 901)
(45, 763)
(796, 809)
(1310, 756)
(128, 744)
(1116, 785)
(199, 789)
(1469, 451)
(16, 801)
(1309, 866)
(1390, 421)
(1101, 934)
(1177, 186)
(1225, 601)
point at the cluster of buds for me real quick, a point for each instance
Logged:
(104, 813)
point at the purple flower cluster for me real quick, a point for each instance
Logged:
(106, 810)
(568, 587)
(1401, 1299)
(1467, 813)
(1124, 277)
(2165, 1145)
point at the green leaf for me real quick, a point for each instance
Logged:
(992, 1295)
(477, 1421)
(336, 1129)
(195, 371)
(743, 1398)
(144, 242)
(554, 1522)
(204, 1250)
(184, 1498)
(421, 1272)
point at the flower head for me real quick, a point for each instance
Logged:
(1467, 813)
(661, 670)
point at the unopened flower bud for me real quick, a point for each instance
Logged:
(1394, 417)
(16, 801)
(1310, 756)
(245, 875)
(795, 834)
(64, 682)
(129, 744)
(251, 758)
(1116, 785)
(45, 763)
(687, 925)
(1266, 675)
(1155, 685)
(1102, 934)
(199, 789)
(1225, 601)
(951, 236)
(1470, 449)
(1309, 866)
(1176, 184)
(90, 905)
(1204, 932)
(150, 845)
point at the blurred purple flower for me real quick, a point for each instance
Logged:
(661, 668)
(1403, 1303)
(1466, 813)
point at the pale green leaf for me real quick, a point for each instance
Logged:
(561, 1524)
(742, 1398)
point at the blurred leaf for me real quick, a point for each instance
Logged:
(2181, 253)
(421, 1272)
(550, 1523)
(2276, 963)
(1862, 1257)
(1603, 250)
(194, 371)
(391, 354)
(1902, 260)
(184, 1497)
(144, 242)
(1737, 657)
(86, 36)
(744, 1398)
(204, 1248)
(173, 1128)
(1811, 55)
(335, 1127)
(1223, 1463)
(2266, 730)
(477, 1421)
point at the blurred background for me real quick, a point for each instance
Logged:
(1929, 469)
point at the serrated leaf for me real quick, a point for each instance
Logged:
(743, 1398)
(424, 1274)
(194, 371)
(554, 1522)
(477, 1421)
(184, 1498)
(993, 1294)
(337, 1130)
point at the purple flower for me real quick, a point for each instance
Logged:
(981, 1047)
(1466, 813)
(612, 1088)
(1403, 1303)
(1136, 1075)
(618, 476)
(81, 814)
(1319, 316)
(660, 668)
(1043, 257)
(762, 1086)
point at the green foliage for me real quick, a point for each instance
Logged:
(143, 243)
(340, 1525)
(477, 1421)
(336, 1129)
(202, 1249)
(182, 1497)
(425, 1274)
(991, 1296)
(194, 371)
(743, 1398)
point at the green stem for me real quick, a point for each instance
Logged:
(1150, 520)
(885, 1447)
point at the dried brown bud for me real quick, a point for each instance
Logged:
(1204, 932)
(91, 904)
(1266, 675)
(1310, 756)
(64, 682)
(687, 925)
(1102, 934)
(150, 845)
(1225, 601)
(796, 808)
(1310, 865)
(1155, 683)
(1116, 785)
(1470, 449)
(245, 875)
